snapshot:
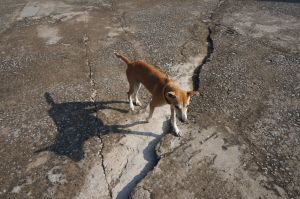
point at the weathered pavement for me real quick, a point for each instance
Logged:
(65, 128)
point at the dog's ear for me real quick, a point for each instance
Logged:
(171, 94)
(192, 93)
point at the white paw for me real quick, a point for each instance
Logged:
(131, 107)
(138, 103)
(177, 131)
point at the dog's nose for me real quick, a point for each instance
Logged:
(184, 117)
(183, 120)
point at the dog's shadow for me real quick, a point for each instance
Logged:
(76, 122)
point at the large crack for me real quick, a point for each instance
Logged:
(210, 50)
(103, 167)
(92, 99)
(207, 58)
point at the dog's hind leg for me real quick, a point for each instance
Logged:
(137, 87)
(130, 92)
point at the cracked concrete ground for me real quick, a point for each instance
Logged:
(65, 127)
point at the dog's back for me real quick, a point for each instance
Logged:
(148, 75)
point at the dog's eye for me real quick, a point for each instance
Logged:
(177, 106)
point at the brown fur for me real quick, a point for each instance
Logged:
(163, 89)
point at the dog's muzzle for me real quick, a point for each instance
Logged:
(183, 120)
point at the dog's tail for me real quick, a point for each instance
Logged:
(125, 59)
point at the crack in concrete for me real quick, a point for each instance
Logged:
(120, 175)
(207, 58)
(92, 98)
(103, 167)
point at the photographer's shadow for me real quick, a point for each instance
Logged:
(76, 122)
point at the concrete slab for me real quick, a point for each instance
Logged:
(65, 125)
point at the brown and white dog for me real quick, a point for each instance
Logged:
(163, 90)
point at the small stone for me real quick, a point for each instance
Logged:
(16, 189)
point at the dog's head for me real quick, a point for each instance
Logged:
(180, 101)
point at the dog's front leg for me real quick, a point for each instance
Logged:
(150, 112)
(173, 121)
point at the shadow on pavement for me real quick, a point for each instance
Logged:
(76, 123)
